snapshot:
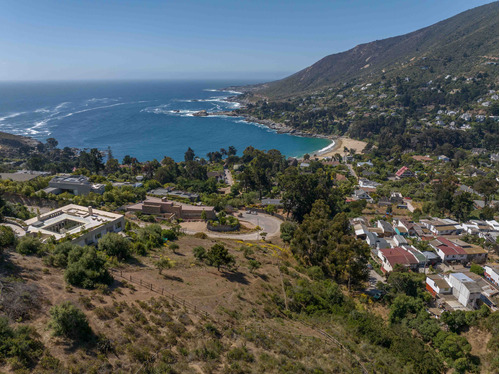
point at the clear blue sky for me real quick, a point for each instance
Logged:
(263, 39)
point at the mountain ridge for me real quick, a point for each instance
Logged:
(450, 44)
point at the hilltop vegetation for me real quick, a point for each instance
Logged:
(458, 45)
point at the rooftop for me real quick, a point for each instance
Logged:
(398, 255)
(70, 219)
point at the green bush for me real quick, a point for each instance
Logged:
(86, 268)
(199, 253)
(59, 255)
(7, 237)
(69, 321)
(29, 245)
(240, 354)
(114, 245)
(140, 249)
(20, 343)
(477, 269)
(169, 234)
(219, 256)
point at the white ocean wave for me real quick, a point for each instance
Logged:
(90, 109)
(62, 105)
(328, 148)
(12, 115)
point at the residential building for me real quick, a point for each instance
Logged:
(359, 194)
(493, 224)
(365, 183)
(24, 175)
(476, 227)
(442, 226)
(399, 240)
(431, 258)
(437, 285)
(75, 184)
(171, 209)
(191, 196)
(84, 226)
(375, 242)
(448, 251)
(443, 158)
(404, 172)
(367, 163)
(474, 252)
(396, 197)
(491, 273)
(396, 256)
(386, 228)
(219, 176)
(466, 290)
(360, 231)
(268, 201)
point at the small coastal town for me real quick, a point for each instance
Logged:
(340, 219)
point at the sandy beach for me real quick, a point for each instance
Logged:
(339, 145)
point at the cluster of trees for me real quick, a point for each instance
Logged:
(327, 243)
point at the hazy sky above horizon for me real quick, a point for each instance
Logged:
(254, 39)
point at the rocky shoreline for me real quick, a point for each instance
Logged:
(280, 128)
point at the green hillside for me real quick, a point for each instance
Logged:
(459, 44)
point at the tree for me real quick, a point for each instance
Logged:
(189, 155)
(204, 215)
(164, 263)
(231, 151)
(69, 321)
(29, 245)
(403, 305)
(52, 143)
(287, 230)
(96, 159)
(219, 256)
(127, 160)
(112, 166)
(320, 241)
(115, 245)
(253, 265)
(7, 237)
(486, 186)
(477, 269)
(59, 255)
(462, 206)
(86, 268)
(199, 253)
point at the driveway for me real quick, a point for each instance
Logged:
(267, 223)
(229, 177)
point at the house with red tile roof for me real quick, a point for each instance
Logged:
(396, 256)
(447, 250)
(404, 172)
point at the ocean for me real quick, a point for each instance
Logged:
(146, 120)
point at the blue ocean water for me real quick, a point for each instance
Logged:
(146, 120)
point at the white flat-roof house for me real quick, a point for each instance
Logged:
(466, 290)
(491, 273)
(84, 226)
(75, 184)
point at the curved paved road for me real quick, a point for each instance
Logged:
(268, 223)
